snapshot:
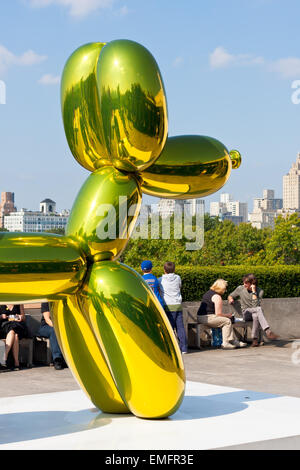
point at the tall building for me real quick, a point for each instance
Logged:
(291, 187)
(7, 205)
(268, 194)
(216, 209)
(236, 219)
(196, 206)
(228, 209)
(47, 206)
(36, 221)
(238, 209)
(265, 210)
(168, 207)
(225, 198)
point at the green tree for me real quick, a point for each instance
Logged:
(210, 223)
(224, 244)
(283, 247)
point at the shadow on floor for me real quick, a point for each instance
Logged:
(25, 426)
(16, 427)
(199, 407)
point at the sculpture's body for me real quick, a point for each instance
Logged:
(112, 330)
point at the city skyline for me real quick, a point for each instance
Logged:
(294, 171)
(46, 219)
(234, 84)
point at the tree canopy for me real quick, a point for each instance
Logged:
(224, 244)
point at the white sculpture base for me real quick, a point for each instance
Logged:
(209, 417)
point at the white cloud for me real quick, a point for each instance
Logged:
(178, 62)
(77, 8)
(8, 59)
(49, 79)
(221, 58)
(30, 58)
(287, 68)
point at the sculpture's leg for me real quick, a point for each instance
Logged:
(84, 356)
(135, 335)
(39, 266)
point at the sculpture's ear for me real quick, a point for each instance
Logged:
(80, 107)
(114, 106)
(190, 166)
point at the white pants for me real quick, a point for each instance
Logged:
(215, 321)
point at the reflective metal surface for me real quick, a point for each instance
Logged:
(39, 266)
(133, 105)
(80, 107)
(190, 166)
(113, 332)
(136, 337)
(114, 106)
(236, 158)
(99, 220)
(84, 356)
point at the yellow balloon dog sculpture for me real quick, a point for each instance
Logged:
(113, 332)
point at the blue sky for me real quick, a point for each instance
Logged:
(228, 69)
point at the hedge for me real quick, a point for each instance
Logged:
(276, 281)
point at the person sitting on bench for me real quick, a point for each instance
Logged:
(12, 328)
(47, 331)
(210, 313)
(250, 295)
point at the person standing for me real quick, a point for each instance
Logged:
(46, 330)
(250, 295)
(210, 313)
(152, 281)
(170, 287)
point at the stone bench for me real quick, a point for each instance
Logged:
(282, 314)
(199, 335)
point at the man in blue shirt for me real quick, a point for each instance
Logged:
(151, 280)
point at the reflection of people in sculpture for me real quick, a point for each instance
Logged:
(13, 329)
(112, 331)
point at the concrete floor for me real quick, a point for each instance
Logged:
(270, 369)
(210, 417)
